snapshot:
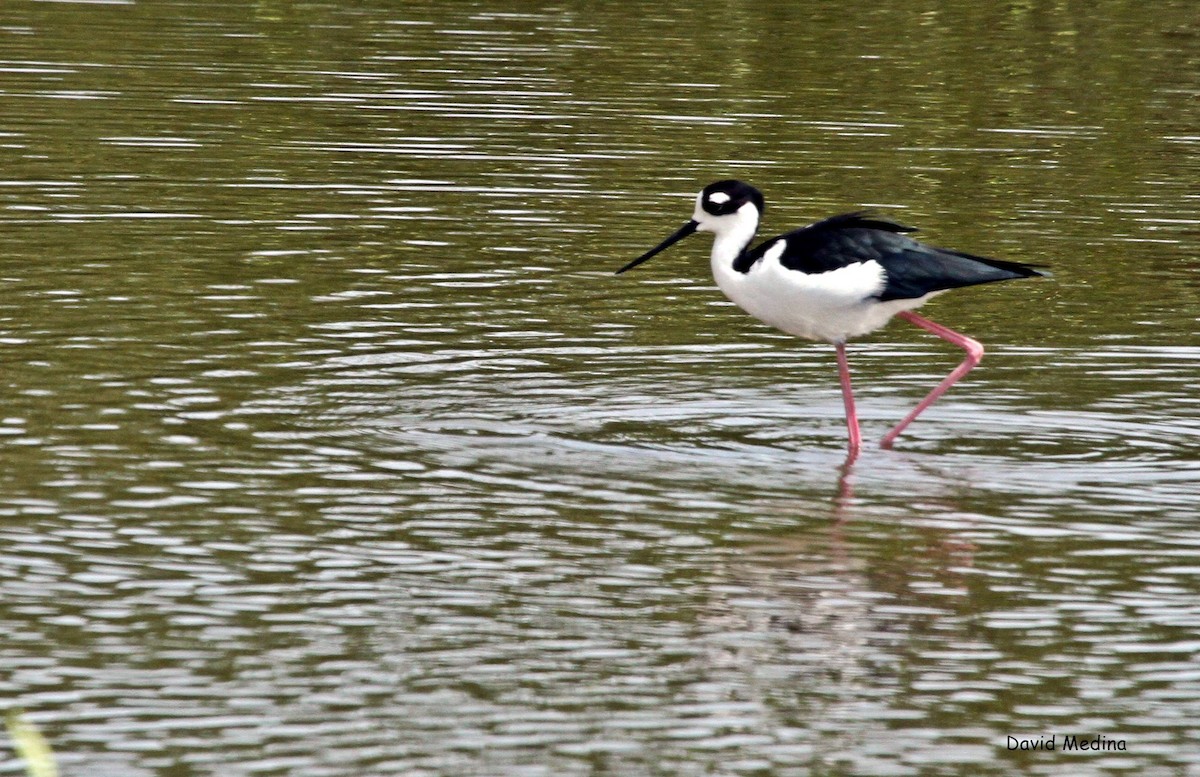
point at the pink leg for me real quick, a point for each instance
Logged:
(848, 399)
(974, 354)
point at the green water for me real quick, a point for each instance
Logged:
(330, 445)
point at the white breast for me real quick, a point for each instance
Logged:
(830, 306)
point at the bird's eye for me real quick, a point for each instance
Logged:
(718, 203)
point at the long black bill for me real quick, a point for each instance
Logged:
(683, 232)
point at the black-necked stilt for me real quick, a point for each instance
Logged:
(836, 279)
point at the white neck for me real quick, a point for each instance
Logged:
(733, 234)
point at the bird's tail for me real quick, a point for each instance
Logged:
(1015, 269)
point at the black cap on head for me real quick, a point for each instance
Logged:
(717, 199)
(725, 197)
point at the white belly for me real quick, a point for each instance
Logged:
(831, 306)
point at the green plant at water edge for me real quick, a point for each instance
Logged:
(30, 745)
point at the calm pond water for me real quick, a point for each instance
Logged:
(330, 445)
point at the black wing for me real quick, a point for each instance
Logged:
(912, 269)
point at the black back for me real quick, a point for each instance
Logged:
(913, 269)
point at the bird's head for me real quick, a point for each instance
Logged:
(725, 208)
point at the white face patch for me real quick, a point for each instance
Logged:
(719, 198)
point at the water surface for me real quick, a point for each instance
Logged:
(331, 446)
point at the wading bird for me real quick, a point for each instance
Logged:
(836, 279)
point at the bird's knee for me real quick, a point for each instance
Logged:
(974, 350)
